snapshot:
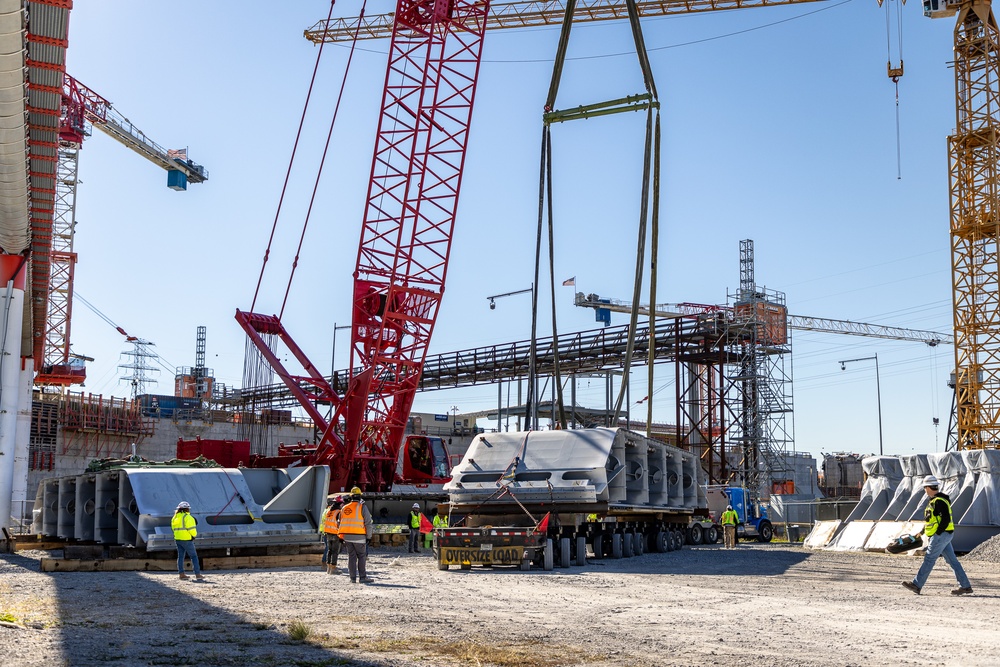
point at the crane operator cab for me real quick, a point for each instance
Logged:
(425, 460)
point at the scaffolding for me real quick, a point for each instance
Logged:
(760, 382)
(98, 426)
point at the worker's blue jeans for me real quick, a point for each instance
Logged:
(186, 547)
(940, 545)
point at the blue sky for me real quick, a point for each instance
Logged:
(779, 126)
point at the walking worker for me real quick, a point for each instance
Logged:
(185, 529)
(729, 520)
(330, 528)
(940, 528)
(356, 529)
(414, 544)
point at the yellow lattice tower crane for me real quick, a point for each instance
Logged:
(974, 151)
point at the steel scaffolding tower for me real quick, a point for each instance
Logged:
(760, 380)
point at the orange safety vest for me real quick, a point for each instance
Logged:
(352, 519)
(331, 521)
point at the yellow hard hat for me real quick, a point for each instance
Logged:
(355, 491)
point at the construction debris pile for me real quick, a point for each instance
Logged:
(893, 500)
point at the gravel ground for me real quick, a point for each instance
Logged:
(987, 552)
(761, 605)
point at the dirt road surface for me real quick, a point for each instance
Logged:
(761, 605)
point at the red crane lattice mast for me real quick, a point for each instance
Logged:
(416, 175)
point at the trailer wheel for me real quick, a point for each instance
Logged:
(764, 531)
(678, 539)
(616, 545)
(695, 534)
(564, 552)
(598, 546)
(581, 550)
(640, 543)
(628, 545)
(547, 555)
(711, 535)
(661, 541)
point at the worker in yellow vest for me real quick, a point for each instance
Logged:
(729, 520)
(414, 543)
(940, 528)
(356, 529)
(185, 529)
(330, 529)
(440, 521)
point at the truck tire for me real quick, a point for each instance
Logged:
(628, 545)
(547, 555)
(616, 545)
(581, 550)
(661, 541)
(640, 543)
(711, 535)
(564, 552)
(678, 539)
(599, 542)
(764, 531)
(695, 534)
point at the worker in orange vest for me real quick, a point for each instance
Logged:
(356, 528)
(330, 528)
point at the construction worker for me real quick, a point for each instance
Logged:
(330, 528)
(729, 520)
(940, 528)
(414, 544)
(440, 521)
(185, 529)
(356, 529)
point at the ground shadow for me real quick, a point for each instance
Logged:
(130, 618)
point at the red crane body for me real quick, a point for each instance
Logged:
(413, 192)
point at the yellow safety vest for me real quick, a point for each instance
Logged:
(933, 526)
(592, 518)
(331, 521)
(183, 525)
(730, 518)
(414, 519)
(352, 519)
(441, 521)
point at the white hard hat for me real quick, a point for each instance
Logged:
(416, 506)
(183, 505)
(931, 480)
(729, 507)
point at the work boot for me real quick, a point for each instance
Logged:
(182, 576)
(353, 580)
(367, 580)
(910, 586)
(962, 591)
(199, 578)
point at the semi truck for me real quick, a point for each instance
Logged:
(553, 498)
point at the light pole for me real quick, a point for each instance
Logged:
(878, 392)
(532, 410)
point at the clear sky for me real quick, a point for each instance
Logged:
(779, 126)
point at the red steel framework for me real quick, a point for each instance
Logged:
(416, 176)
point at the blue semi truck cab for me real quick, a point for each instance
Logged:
(754, 522)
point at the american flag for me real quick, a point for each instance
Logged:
(180, 153)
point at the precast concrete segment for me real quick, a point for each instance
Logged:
(821, 534)
(22, 438)
(852, 537)
(580, 467)
(234, 506)
(894, 495)
(12, 278)
(885, 533)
